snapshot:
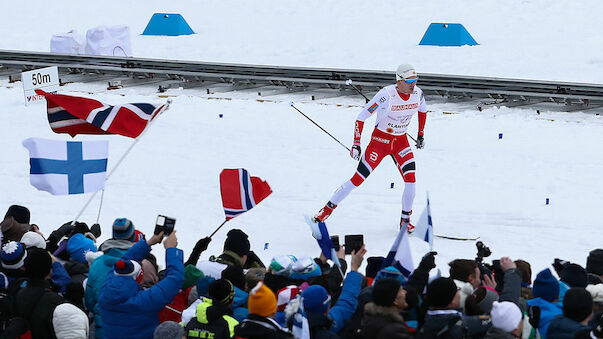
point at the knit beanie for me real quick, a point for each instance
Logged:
(485, 304)
(38, 263)
(129, 268)
(373, 266)
(123, 229)
(221, 291)
(574, 275)
(385, 291)
(203, 285)
(138, 236)
(78, 245)
(577, 304)
(191, 275)
(316, 299)
(235, 275)
(596, 291)
(282, 265)
(305, 268)
(391, 272)
(13, 255)
(168, 330)
(20, 213)
(262, 301)
(594, 262)
(236, 241)
(441, 292)
(505, 315)
(33, 239)
(545, 286)
(284, 295)
(13, 230)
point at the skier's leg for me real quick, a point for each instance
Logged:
(406, 165)
(370, 160)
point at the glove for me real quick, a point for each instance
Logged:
(428, 261)
(202, 244)
(355, 152)
(420, 142)
(96, 230)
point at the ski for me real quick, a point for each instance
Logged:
(455, 238)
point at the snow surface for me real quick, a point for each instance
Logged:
(479, 185)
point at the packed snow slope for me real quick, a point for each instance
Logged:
(479, 185)
(536, 39)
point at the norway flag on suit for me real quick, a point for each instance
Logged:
(240, 191)
(77, 115)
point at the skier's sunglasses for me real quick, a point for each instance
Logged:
(411, 81)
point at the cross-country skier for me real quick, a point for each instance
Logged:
(395, 106)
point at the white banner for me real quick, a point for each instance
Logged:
(43, 78)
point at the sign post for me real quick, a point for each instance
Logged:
(43, 78)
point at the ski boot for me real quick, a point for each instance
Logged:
(405, 222)
(324, 212)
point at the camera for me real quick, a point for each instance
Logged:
(483, 251)
(164, 224)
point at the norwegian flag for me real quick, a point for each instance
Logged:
(77, 115)
(241, 192)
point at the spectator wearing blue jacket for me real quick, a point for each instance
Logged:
(546, 295)
(127, 310)
(325, 321)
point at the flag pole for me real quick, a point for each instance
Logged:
(100, 206)
(217, 229)
(163, 109)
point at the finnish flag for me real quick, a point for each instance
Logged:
(424, 227)
(67, 167)
(399, 255)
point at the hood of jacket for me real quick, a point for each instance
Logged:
(119, 244)
(118, 289)
(390, 312)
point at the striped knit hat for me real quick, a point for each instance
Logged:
(13, 255)
(285, 295)
(124, 229)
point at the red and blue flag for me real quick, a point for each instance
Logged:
(241, 192)
(77, 115)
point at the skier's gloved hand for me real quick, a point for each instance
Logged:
(355, 152)
(420, 142)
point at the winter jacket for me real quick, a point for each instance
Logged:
(321, 326)
(381, 322)
(345, 307)
(497, 333)
(548, 311)
(70, 322)
(126, 309)
(36, 303)
(100, 268)
(451, 324)
(211, 321)
(511, 287)
(257, 327)
(562, 327)
(173, 311)
(77, 271)
(60, 276)
(239, 305)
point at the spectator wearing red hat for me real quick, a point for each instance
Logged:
(127, 310)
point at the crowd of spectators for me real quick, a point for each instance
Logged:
(68, 285)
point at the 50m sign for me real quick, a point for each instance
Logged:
(43, 78)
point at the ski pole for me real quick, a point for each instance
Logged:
(349, 83)
(317, 125)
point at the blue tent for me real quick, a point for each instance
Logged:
(167, 24)
(445, 34)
